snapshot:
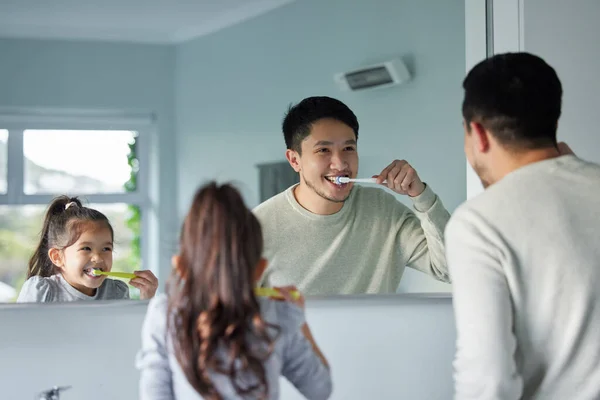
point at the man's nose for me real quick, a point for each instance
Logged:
(338, 161)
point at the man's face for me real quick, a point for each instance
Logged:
(327, 152)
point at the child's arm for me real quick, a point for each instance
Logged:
(304, 365)
(153, 358)
(286, 293)
(308, 334)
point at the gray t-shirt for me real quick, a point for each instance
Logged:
(293, 357)
(54, 288)
(524, 257)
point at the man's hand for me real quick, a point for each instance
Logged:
(402, 178)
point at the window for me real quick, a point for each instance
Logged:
(103, 166)
(83, 161)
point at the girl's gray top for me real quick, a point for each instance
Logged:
(54, 288)
(293, 357)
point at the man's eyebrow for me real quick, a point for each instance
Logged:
(329, 143)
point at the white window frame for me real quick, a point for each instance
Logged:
(492, 27)
(483, 20)
(508, 31)
(17, 120)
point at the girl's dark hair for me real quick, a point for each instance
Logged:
(215, 322)
(62, 227)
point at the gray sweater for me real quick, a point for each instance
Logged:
(363, 248)
(293, 357)
(524, 257)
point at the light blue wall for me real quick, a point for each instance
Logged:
(86, 75)
(571, 49)
(95, 75)
(233, 87)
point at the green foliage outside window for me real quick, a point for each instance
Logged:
(134, 219)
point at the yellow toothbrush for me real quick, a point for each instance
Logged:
(126, 275)
(260, 291)
(270, 292)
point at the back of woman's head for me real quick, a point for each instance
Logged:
(216, 325)
(65, 220)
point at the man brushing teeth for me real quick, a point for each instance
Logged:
(327, 237)
(328, 152)
(335, 179)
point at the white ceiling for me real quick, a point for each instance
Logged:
(138, 21)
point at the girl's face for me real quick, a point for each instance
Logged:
(93, 249)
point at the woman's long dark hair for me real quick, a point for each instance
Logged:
(215, 322)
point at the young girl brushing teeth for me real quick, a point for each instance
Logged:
(74, 241)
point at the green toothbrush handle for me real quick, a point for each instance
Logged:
(271, 292)
(125, 275)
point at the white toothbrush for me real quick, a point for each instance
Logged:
(344, 179)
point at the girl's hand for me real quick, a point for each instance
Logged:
(286, 293)
(147, 282)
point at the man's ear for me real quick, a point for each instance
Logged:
(481, 137)
(260, 269)
(293, 158)
(56, 256)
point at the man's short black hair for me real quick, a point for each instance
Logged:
(515, 96)
(300, 118)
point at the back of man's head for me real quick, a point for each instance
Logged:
(517, 98)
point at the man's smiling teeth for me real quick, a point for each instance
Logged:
(333, 178)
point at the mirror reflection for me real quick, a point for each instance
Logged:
(130, 124)
(330, 235)
(32, 232)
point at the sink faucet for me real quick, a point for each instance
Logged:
(52, 394)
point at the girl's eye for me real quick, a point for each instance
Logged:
(108, 249)
(85, 249)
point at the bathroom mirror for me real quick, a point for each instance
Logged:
(132, 106)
